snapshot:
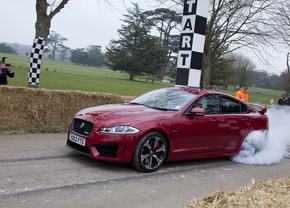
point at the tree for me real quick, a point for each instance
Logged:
(54, 43)
(63, 52)
(43, 19)
(7, 49)
(136, 52)
(166, 21)
(233, 25)
(222, 74)
(275, 82)
(91, 56)
(264, 80)
(242, 69)
(96, 57)
(282, 28)
(44, 14)
(286, 76)
(42, 26)
(79, 56)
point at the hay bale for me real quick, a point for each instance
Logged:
(273, 193)
(23, 106)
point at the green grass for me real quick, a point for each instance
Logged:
(264, 98)
(69, 76)
(33, 129)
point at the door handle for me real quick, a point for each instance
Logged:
(245, 119)
(215, 120)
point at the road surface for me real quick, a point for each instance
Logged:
(38, 170)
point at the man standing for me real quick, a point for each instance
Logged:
(4, 72)
(242, 94)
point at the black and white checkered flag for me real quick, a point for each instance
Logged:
(35, 61)
(192, 40)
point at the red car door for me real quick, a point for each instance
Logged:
(237, 123)
(203, 133)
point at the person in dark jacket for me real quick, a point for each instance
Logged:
(4, 72)
(282, 100)
(288, 101)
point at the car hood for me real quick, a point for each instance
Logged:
(115, 114)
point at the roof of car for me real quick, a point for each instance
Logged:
(195, 90)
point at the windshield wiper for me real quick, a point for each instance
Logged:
(135, 103)
(164, 109)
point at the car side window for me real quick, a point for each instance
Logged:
(210, 103)
(244, 108)
(231, 105)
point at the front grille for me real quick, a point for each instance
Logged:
(82, 149)
(81, 127)
(108, 150)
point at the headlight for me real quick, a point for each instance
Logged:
(119, 130)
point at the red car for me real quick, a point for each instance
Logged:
(175, 123)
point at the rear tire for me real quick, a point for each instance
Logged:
(253, 143)
(150, 152)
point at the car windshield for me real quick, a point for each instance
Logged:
(165, 99)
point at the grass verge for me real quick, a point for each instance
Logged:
(33, 129)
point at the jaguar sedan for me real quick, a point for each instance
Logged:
(167, 124)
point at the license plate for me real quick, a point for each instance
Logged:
(77, 140)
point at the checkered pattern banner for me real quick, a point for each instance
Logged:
(192, 40)
(35, 61)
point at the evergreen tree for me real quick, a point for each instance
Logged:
(136, 52)
(166, 21)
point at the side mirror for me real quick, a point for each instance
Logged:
(197, 112)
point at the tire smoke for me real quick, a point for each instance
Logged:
(277, 144)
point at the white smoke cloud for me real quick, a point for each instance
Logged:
(277, 144)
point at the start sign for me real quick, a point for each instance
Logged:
(191, 45)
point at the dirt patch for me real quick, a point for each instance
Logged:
(22, 106)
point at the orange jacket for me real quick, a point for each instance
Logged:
(242, 95)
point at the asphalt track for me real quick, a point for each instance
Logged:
(37, 170)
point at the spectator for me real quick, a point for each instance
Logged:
(282, 100)
(4, 72)
(242, 93)
(288, 101)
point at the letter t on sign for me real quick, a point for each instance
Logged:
(191, 45)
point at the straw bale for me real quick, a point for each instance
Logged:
(273, 193)
(21, 106)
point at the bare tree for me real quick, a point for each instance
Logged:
(45, 11)
(232, 25)
(286, 76)
(43, 19)
(63, 52)
(54, 43)
(282, 27)
(242, 70)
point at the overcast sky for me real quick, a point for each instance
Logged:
(83, 23)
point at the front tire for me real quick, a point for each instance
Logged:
(150, 152)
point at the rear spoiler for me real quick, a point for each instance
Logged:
(260, 108)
